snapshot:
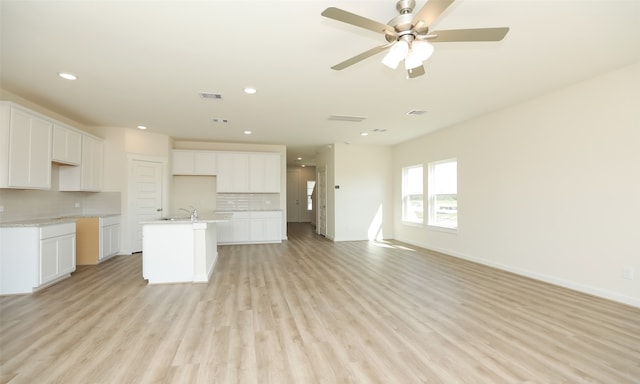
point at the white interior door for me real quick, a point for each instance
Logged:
(293, 196)
(145, 197)
(321, 191)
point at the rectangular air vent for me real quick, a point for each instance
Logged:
(354, 119)
(210, 95)
(416, 112)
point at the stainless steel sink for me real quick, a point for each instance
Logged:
(175, 218)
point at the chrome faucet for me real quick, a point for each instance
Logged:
(193, 212)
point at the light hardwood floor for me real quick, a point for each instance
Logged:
(313, 311)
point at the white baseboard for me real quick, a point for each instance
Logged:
(613, 296)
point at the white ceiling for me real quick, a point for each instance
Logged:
(146, 62)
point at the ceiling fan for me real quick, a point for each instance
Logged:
(408, 35)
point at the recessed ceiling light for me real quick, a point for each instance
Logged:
(247, 132)
(142, 127)
(299, 158)
(250, 90)
(67, 76)
(303, 165)
(364, 134)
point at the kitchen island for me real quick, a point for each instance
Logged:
(180, 250)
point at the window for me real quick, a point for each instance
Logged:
(310, 185)
(412, 200)
(443, 194)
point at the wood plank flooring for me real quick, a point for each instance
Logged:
(313, 311)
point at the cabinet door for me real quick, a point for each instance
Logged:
(183, 162)
(241, 229)
(48, 260)
(67, 145)
(264, 169)
(257, 229)
(233, 172)
(204, 163)
(110, 241)
(273, 228)
(29, 151)
(92, 158)
(115, 240)
(224, 232)
(66, 248)
(87, 176)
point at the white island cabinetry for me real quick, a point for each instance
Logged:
(180, 251)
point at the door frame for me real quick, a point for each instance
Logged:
(296, 188)
(321, 186)
(126, 201)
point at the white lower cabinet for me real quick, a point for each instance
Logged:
(110, 237)
(35, 256)
(251, 227)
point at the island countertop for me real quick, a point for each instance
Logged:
(216, 217)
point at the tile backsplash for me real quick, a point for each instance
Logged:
(247, 201)
(22, 204)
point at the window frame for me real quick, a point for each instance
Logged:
(432, 197)
(406, 196)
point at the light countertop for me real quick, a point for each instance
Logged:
(217, 217)
(52, 220)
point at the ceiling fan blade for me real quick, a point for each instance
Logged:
(430, 11)
(479, 34)
(357, 20)
(415, 72)
(360, 57)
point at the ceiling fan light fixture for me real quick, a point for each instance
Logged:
(412, 61)
(396, 54)
(422, 49)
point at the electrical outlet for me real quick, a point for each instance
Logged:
(628, 273)
(1, 208)
(76, 205)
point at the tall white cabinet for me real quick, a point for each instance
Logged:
(25, 148)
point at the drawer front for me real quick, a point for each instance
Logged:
(109, 220)
(56, 230)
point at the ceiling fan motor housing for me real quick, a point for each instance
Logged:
(403, 22)
(405, 6)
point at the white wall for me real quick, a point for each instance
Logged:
(549, 188)
(363, 203)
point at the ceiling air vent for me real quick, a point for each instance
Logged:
(416, 112)
(353, 119)
(209, 95)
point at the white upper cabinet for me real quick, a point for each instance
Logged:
(233, 172)
(201, 163)
(237, 172)
(67, 145)
(264, 172)
(87, 176)
(25, 149)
